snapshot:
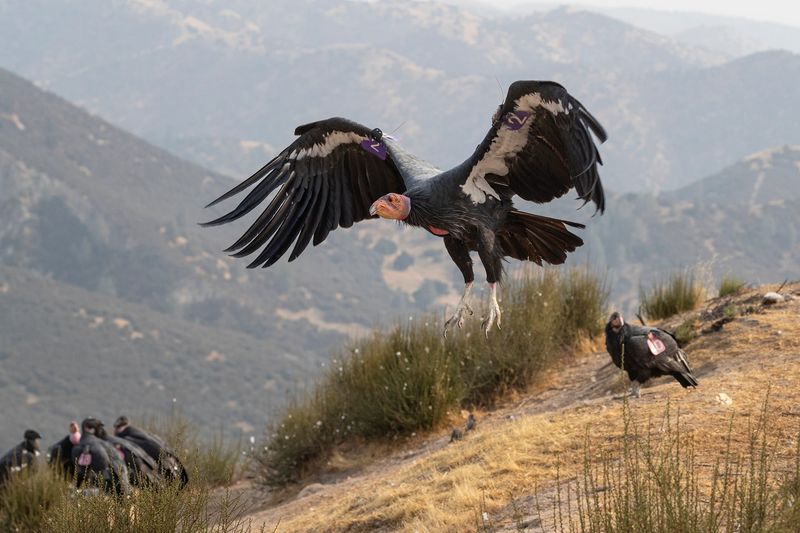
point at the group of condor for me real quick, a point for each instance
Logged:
(98, 460)
(539, 146)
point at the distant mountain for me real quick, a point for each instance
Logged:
(742, 220)
(202, 78)
(767, 177)
(732, 36)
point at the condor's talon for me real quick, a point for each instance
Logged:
(458, 316)
(495, 315)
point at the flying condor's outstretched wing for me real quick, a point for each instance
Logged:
(539, 146)
(328, 177)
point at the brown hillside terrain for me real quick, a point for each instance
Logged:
(518, 452)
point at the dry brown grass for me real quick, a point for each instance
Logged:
(428, 485)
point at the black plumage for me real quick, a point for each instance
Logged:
(164, 460)
(645, 353)
(338, 172)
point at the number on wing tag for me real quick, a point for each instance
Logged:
(376, 148)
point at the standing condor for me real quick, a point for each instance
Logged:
(646, 353)
(338, 172)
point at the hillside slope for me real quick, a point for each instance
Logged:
(517, 452)
(68, 353)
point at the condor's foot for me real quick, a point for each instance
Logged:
(494, 315)
(462, 307)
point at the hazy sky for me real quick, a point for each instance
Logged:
(782, 11)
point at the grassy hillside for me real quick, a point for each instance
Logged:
(519, 470)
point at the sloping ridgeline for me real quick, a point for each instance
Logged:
(98, 227)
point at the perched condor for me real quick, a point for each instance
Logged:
(21, 456)
(142, 469)
(97, 462)
(646, 353)
(168, 464)
(338, 172)
(61, 452)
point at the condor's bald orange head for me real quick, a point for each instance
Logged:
(394, 206)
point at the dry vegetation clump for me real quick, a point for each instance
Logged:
(679, 292)
(219, 460)
(409, 378)
(730, 285)
(659, 482)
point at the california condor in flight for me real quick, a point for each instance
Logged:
(338, 172)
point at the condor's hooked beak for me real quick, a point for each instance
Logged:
(393, 206)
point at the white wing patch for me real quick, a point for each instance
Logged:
(329, 143)
(507, 143)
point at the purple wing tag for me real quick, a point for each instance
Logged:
(376, 148)
(85, 459)
(514, 120)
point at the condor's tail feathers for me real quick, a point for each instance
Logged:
(530, 237)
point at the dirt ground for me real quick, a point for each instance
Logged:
(495, 473)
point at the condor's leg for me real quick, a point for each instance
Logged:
(460, 254)
(492, 260)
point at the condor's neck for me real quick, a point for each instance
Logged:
(435, 216)
(412, 169)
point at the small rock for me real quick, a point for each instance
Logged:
(771, 298)
(724, 399)
(308, 490)
(531, 522)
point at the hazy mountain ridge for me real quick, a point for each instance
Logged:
(226, 72)
(70, 353)
(733, 36)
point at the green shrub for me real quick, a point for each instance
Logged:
(686, 332)
(677, 293)
(729, 285)
(27, 495)
(40, 500)
(408, 378)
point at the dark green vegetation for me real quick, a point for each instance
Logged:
(656, 483)
(679, 292)
(409, 378)
(41, 500)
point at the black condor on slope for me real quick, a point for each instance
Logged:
(338, 172)
(646, 352)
